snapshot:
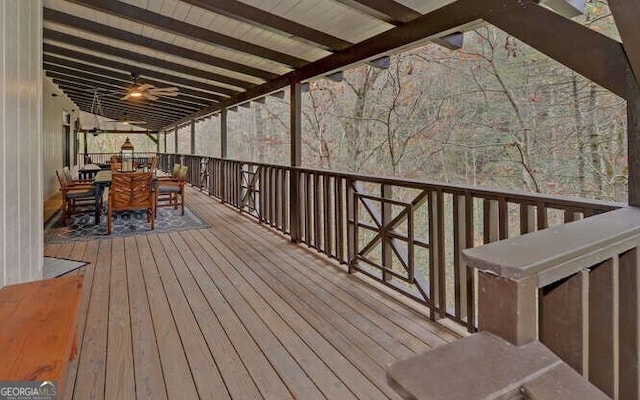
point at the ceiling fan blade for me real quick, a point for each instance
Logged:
(163, 90)
(145, 86)
(149, 96)
(162, 94)
(125, 97)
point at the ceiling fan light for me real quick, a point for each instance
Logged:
(135, 94)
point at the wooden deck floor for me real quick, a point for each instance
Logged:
(232, 312)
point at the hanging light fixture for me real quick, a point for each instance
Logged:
(96, 112)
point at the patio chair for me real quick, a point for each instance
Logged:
(77, 196)
(170, 191)
(153, 164)
(131, 191)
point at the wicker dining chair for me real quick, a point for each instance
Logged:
(131, 191)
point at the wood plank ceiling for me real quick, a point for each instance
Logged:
(214, 51)
(222, 52)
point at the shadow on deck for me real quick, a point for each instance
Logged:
(234, 311)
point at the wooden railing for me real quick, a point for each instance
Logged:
(575, 288)
(406, 234)
(104, 158)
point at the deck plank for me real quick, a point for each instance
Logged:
(233, 311)
(326, 380)
(149, 380)
(290, 372)
(333, 356)
(261, 371)
(366, 315)
(120, 382)
(178, 379)
(206, 376)
(235, 376)
(92, 358)
(90, 255)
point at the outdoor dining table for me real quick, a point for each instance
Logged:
(102, 181)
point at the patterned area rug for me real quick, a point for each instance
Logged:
(125, 223)
(55, 267)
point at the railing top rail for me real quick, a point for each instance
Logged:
(485, 192)
(561, 251)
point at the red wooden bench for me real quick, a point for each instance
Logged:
(38, 329)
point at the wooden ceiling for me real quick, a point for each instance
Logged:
(223, 52)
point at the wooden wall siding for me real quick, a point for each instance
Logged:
(52, 134)
(20, 141)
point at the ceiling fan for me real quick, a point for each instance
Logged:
(148, 91)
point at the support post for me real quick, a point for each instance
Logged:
(223, 133)
(633, 137)
(295, 106)
(86, 148)
(175, 140)
(193, 137)
(222, 170)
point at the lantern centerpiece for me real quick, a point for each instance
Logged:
(126, 156)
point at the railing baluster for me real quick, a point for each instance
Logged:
(352, 225)
(564, 310)
(340, 225)
(317, 218)
(491, 221)
(503, 218)
(327, 213)
(629, 321)
(307, 209)
(295, 210)
(459, 244)
(602, 365)
(541, 213)
(386, 192)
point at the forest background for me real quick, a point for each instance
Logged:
(495, 113)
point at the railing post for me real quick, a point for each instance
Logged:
(507, 307)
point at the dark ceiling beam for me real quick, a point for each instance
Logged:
(145, 109)
(272, 22)
(118, 115)
(110, 63)
(589, 53)
(90, 86)
(124, 80)
(49, 34)
(386, 10)
(124, 111)
(626, 13)
(164, 104)
(443, 19)
(168, 24)
(393, 13)
(113, 114)
(157, 45)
